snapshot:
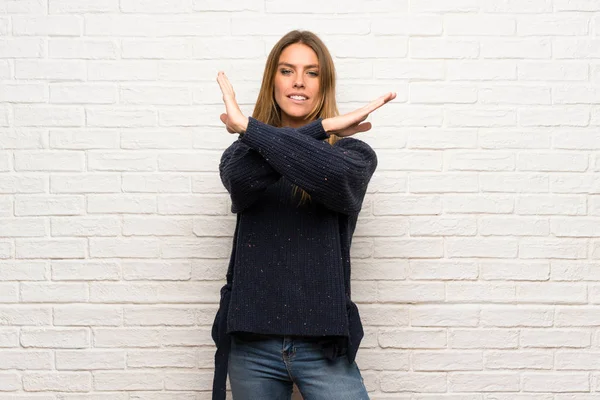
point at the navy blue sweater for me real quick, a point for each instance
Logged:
(289, 270)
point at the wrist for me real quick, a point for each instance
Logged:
(325, 123)
(243, 126)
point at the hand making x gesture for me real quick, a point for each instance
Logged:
(342, 125)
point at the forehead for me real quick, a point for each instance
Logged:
(299, 55)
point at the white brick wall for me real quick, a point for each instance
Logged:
(476, 259)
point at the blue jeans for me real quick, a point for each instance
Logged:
(268, 368)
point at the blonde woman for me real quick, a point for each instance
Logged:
(297, 183)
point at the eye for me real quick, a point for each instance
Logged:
(285, 71)
(314, 73)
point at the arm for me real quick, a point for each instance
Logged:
(336, 176)
(245, 173)
(314, 130)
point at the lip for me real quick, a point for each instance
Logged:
(297, 101)
(297, 94)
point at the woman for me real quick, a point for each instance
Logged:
(297, 182)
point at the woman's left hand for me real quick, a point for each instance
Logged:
(234, 120)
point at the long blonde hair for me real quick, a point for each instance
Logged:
(268, 111)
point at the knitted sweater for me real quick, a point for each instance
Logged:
(289, 270)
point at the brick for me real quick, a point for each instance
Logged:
(76, 48)
(516, 6)
(55, 338)
(479, 25)
(57, 381)
(490, 339)
(269, 24)
(434, 6)
(553, 25)
(41, 292)
(552, 293)
(88, 270)
(83, 139)
(97, 183)
(51, 25)
(62, 70)
(87, 315)
(484, 381)
(22, 47)
(128, 380)
(50, 248)
(556, 382)
(161, 358)
(436, 48)
(159, 270)
(84, 6)
(49, 161)
(161, 316)
(49, 116)
(90, 359)
(172, 25)
(23, 93)
(86, 226)
(522, 48)
(68, 93)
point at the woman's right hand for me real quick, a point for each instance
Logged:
(349, 124)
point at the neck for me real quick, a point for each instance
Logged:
(293, 122)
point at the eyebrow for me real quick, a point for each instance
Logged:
(293, 66)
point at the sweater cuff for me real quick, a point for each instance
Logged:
(314, 129)
(258, 135)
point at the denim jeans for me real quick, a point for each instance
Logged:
(266, 369)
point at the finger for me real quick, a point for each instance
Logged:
(224, 84)
(390, 97)
(359, 128)
(364, 127)
(227, 84)
(219, 82)
(383, 99)
(351, 130)
(228, 95)
(375, 104)
(224, 118)
(232, 108)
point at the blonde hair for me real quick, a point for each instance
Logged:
(268, 111)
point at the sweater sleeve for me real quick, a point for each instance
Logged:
(246, 174)
(314, 130)
(335, 176)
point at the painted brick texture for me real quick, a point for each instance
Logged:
(476, 258)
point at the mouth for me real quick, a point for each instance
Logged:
(298, 99)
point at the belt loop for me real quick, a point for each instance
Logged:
(288, 344)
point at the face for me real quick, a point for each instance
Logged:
(297, 75)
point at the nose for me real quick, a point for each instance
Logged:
(299, 82)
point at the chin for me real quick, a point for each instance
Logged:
(293, 113)
(297, 115)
